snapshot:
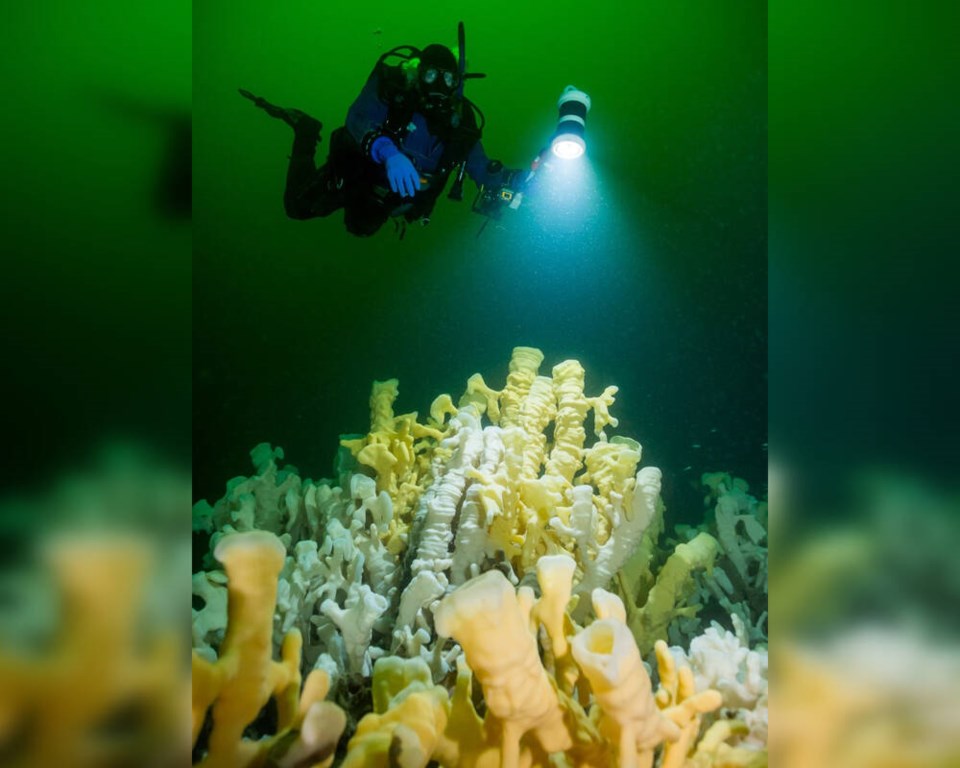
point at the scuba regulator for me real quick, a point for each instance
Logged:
(490, 201)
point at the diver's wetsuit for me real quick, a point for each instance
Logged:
(313, 192)
(351, 180)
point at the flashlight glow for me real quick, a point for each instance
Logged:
(568, 146)
(568, 142)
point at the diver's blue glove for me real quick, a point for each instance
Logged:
(403, 177)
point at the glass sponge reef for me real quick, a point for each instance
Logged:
(477, 545)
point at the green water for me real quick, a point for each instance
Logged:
(653, 276)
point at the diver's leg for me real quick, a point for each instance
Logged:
(308, 192)
(305, 183)
(311, 192)
(295, 118)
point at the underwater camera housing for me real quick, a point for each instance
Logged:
(491, 201)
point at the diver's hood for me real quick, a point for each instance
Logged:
(438, 74)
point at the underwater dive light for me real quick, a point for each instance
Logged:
(568, 142)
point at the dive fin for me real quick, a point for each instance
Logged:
(295, 118)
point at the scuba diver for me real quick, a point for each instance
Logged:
(406, 134)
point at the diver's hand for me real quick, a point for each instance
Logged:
(403, 177)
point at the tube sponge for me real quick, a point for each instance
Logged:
(496, 627)
(608, 656)
(681, 704)
(623, 540)
(355, 621)
(407, 724)
(486, 618)
(58, 693)
(536, 413)
(568, 434)
(630, 715)
(486, 399)
(389, 447)
(244, 677)
(524, 364)
(674, 585)
(555, 575)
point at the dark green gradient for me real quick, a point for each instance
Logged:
(95, 292)
(862, 219)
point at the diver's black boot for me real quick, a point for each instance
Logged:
(306, 128)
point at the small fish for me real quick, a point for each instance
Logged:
(378, 31)
(695, 445)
